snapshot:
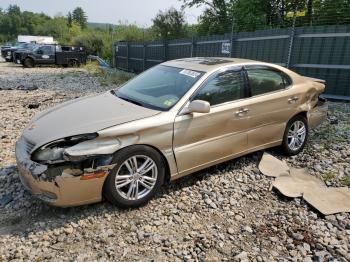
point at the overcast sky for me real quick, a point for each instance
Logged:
(106, 11)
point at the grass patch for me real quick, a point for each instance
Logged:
(329, 176)
(107, 77)
(345, 181)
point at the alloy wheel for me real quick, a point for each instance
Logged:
(136, 177)
(296, 135)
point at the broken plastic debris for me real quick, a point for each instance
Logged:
(298, 183)
(329, 200)
(273, 167)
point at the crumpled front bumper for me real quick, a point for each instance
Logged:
(64, 190)
(318, 114)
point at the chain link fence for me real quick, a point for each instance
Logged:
(316, 51)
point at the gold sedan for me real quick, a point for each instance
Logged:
(174, 119)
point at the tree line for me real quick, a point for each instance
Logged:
(221, 16)
(218, 17)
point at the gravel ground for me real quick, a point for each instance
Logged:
(222, 213)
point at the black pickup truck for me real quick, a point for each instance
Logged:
(8, 52)
(51, 55)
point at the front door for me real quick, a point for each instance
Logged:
(45, 55)
(204, 139)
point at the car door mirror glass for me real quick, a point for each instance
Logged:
(199, 106)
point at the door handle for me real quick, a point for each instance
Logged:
(242, 111)
(293, 99)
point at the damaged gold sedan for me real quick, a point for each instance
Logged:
(170, 121)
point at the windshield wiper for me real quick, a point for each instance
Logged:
(127, 99)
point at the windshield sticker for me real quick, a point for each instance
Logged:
(169, 102)
(190, 73)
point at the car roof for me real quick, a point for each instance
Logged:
(207, 64)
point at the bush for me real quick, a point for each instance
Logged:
(92, 42)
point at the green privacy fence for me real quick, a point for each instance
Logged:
(320, 52)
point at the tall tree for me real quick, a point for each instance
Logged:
(169, 24)
(69, 19)
(217, 15)
(79, 17)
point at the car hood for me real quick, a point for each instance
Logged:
(82, 116)
(10, 49)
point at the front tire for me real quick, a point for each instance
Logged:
(295, 136)
(28, 63)
(136, 178)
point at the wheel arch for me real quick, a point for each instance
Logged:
(301, 113)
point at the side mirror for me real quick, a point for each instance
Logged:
(199, 106)
(39, 52)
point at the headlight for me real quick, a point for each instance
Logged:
(49, 154)
(53, 151)
(8, 52)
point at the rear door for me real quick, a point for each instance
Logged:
(271, 104)
(204, 139)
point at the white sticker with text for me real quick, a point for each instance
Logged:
(190, 73)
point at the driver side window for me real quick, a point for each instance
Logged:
(225, 87)
(47, 50)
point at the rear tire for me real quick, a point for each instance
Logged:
(131, 185)
(295, 136)
(73, 63)
(28, 63)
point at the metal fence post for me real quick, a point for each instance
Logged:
(193, 47)
(231, 51)
(232, 29)
(144, 57)
(113, 55)
(291, 42)
(165, 44)
(127, 56)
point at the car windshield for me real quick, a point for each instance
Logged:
(32, 47)
(160, 87)
(21, 45)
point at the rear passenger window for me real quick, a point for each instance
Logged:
(225, 87)
(263, 80)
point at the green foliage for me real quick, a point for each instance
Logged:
(250, 15)
(345, 181)
(69, 19)
(130, 32)
(79, 17)
(14, 22)
(92, 42)
(329, 176)
(107, 77)
(169, 24)
(66, 30)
